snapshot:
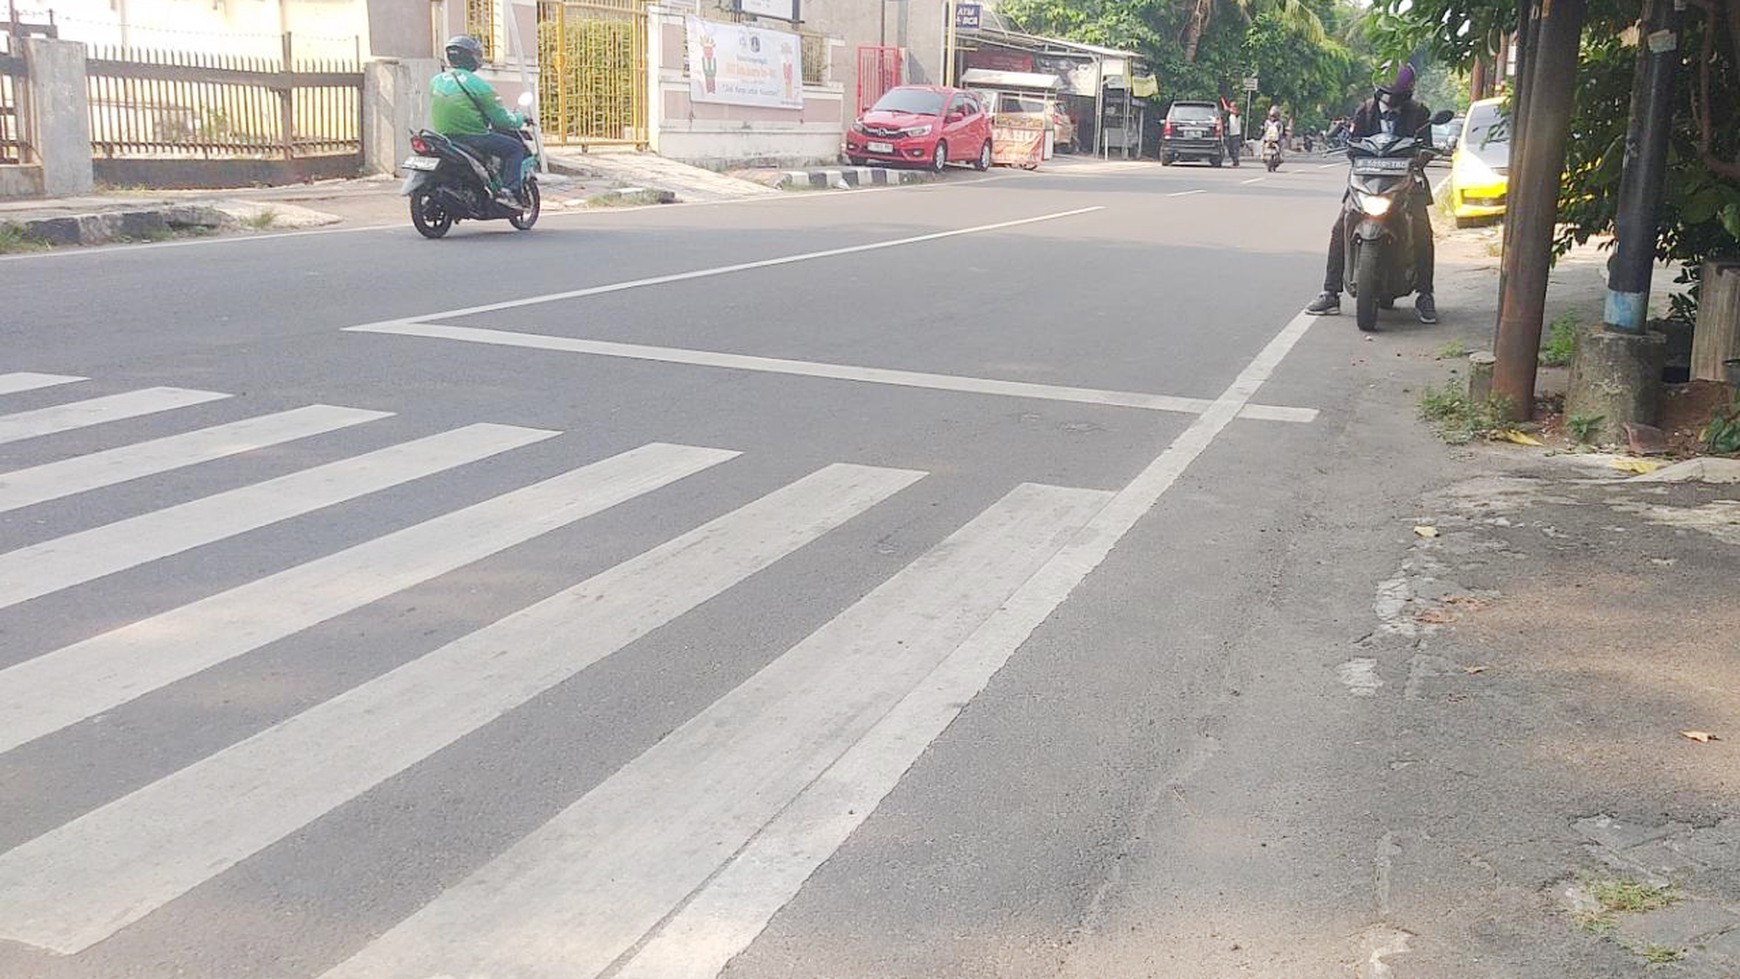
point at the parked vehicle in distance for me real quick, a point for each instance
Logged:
(1480, 165)
(922, 125)
(1065, 128)
(1192, 131)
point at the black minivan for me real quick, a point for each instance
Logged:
(1193, 131)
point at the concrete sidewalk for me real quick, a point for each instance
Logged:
(576, 180)
(1553, 648)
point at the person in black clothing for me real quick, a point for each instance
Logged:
(1391, 109)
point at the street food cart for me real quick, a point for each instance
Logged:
(1020, 93)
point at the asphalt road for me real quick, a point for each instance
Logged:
(943, 581)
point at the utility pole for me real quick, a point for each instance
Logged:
(1551, 78)
(1646, 152)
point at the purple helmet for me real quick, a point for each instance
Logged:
(1403, 86)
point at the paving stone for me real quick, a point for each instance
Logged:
(1725, 945)
(1622, 835)
(1680, 926)
(1717, 847)
(1661, 857)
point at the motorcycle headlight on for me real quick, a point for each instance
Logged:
(1376, 205)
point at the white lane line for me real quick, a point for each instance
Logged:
(570, 898)
(76, 885)
(96, 411)
(43, 695)
(1327, 166)
(27, 381)
(842, 372)
(1254, 180)
(39, 569)
(1187, 193)
(766, 263)
(54, 480)
(732, 909)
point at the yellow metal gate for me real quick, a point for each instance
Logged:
(593, 71)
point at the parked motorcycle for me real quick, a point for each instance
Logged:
(449, 183)
(1386, 170)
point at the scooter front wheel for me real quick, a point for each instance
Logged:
(1366, 287)
(534, 206)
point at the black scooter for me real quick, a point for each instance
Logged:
(449, 183)
(1386, 170)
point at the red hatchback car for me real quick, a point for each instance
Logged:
(928, 125)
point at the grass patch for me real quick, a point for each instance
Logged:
(1458, 418)
(639, 198)
(1627, 896)
(1656, 953)
(14, 241)
(1560, 341)
(1582, 427)
(1454, 350)
(260, 220)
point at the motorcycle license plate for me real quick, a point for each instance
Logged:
(879, 147)
(1380, 165)
(422, 163)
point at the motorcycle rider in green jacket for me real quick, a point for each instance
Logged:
(465, 109)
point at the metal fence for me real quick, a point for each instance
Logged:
(592, 71)
(151, 110)
(14, 111)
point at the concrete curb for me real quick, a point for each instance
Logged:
(135, 224)
(851, 177)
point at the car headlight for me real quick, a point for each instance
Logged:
(1375, 205)
(916, 131)
(858, 127)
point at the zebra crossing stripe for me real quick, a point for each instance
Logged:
(43, 695)
(81, 474)
(26, 381)
(76, 885)
(40, 569)
(568, 900)
(96, 411)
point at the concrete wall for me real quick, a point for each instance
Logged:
(395, 102)
(402, 29)
(60, 115)
(722, 136)
(914, 25)
(20, 181)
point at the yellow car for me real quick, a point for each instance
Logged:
(1480, 167)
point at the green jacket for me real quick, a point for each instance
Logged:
(455, 97)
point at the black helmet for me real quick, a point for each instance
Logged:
(465, 52)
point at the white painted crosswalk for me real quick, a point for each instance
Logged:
(748, 793)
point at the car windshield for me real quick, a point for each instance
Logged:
(1193, 113)
(1488, 135)
(917, 101)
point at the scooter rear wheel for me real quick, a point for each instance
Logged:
(428, 216)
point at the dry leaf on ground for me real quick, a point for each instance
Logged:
(1520, 438)
(1426, 531)
(1701, 737)
(1642, 467)
(1433, 616)
(1473, 670)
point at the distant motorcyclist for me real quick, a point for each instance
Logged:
(1391, 109)
(465, 109)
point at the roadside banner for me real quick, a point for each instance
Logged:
(1018, 139)
(737, 65)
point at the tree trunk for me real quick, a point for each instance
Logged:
(1197, 25)
(1717, 338)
